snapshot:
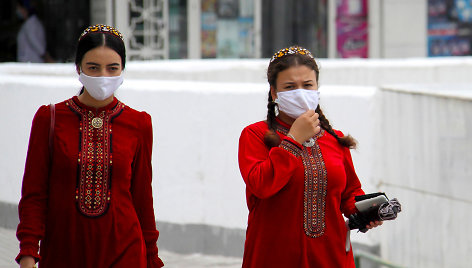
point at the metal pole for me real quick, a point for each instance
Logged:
(332, 40)
(194, 40)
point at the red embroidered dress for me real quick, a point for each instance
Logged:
(296, 196)
(92, 205)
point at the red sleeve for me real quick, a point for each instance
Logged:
(265, 171)
(353, 185)
(32, 208)
(141, 191)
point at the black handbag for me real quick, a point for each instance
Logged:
(373, 207)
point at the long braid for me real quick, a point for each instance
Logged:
(346, 141)
(271, 139)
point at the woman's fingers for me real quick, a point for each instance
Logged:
(309, 113)
(374, 224)
(305, 126)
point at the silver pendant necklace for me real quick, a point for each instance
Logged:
(309, 143)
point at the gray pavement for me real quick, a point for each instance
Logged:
(9, 250)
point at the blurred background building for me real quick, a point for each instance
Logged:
(193, 29)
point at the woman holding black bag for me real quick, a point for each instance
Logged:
(299, 174)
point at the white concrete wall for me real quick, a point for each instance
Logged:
(414, 142)
(351, 72)
(424, 146)
(196, 129)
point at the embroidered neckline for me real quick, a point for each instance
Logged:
(95, 158)
(109, 106)
(316, 185)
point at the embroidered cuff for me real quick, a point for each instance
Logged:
(290, 147)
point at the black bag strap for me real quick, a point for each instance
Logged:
(51, 130)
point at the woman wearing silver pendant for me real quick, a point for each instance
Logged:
(299, 174)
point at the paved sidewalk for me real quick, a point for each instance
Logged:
(9, 250)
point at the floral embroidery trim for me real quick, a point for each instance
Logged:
(316, 185)
(290, 147)
(95, 159)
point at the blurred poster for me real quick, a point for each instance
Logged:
(209, 20)
(246, 37)
(227, 28)
(449, 28)
(352, 29)
(463, 10)
(208, 5)
(227, 39)
(246, 8)
(228, 9)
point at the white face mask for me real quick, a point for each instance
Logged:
(100, 87)
(297, 101)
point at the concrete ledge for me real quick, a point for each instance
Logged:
(374, 250)
(8, 215)
(190, 238)
(179, 238)
(200, 238)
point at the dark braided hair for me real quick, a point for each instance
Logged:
(346, 141)
(271, 139)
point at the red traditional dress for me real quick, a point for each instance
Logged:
(296, 196)
(92, 205)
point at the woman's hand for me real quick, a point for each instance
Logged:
(27, 262)
(374, 224)
(305, 126)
